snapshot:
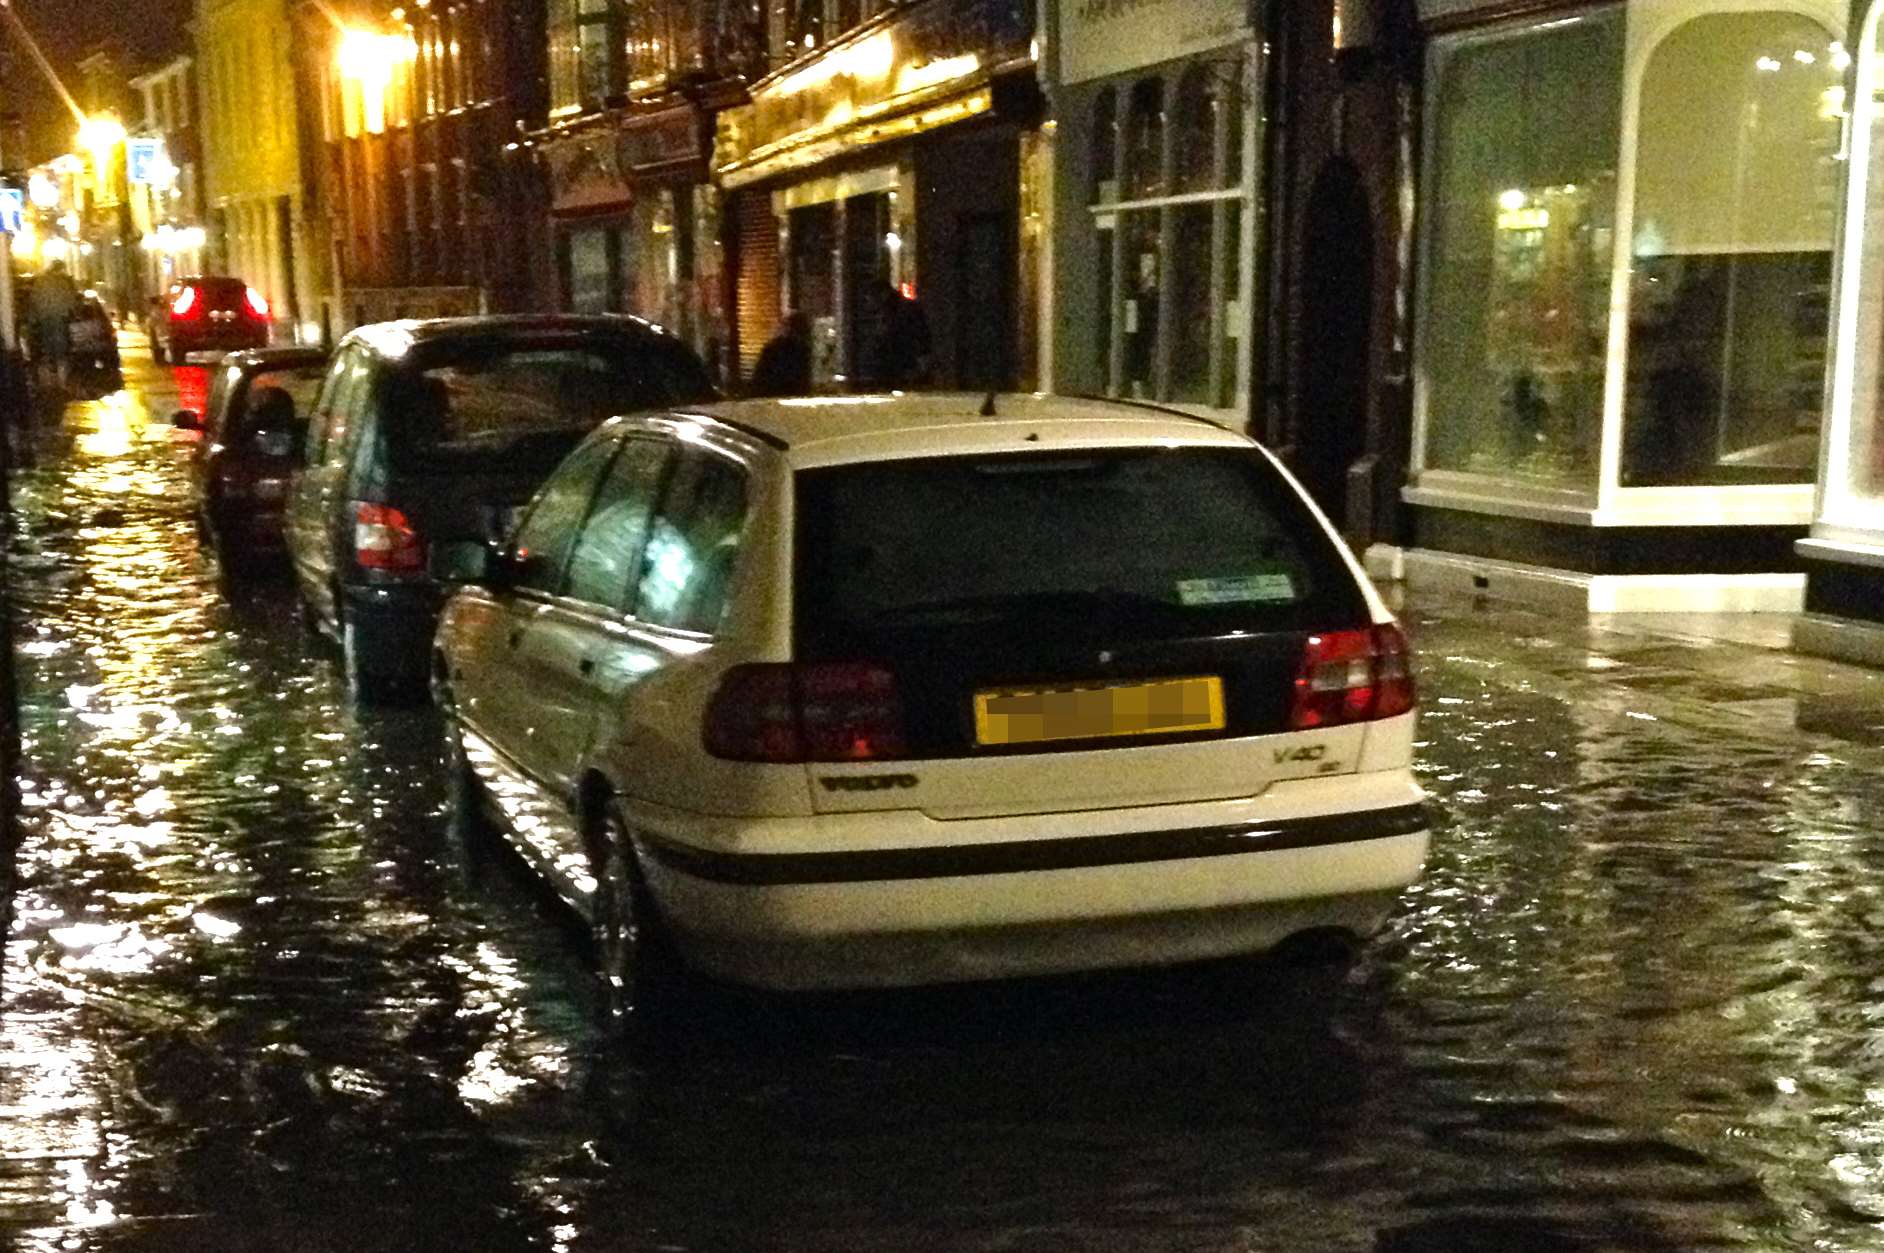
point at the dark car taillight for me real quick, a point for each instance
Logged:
(257, 304)
(815, 711)
(1352, 676)
(188, 305)
(383, 539)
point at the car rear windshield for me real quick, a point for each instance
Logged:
(495, 401)
(221, 293)
(1143, 543)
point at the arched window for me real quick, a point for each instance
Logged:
(1144, 140)
(1737, 163)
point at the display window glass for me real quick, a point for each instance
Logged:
(1521, 231)
(1627, 248)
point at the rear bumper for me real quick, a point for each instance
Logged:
(394, 622)
(1137, 893)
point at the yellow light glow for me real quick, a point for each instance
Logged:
(869, 59)
(26, 243)
(1512, 200)
(947, 70)
(100, 134)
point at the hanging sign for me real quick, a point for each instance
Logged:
(12, 210)
(143, 158)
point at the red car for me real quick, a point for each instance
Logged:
(208, 314)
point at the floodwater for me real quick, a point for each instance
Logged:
(258, 994)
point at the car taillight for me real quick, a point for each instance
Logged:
(813, 711)
(383, 539)
(186, 305)
(258, 306)
(1352, 676)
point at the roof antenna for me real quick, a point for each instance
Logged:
(987, 406)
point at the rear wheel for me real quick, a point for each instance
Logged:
(640, 975)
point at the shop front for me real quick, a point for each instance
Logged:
(1844, 554)
(636, 223)
(1155, 175)
(1624, 282)
(889, 176)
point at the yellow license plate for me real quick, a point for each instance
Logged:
(1096, 710)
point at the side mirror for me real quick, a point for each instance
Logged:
(471, 561)
(187, 420)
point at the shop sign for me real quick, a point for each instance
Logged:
(1104, 37)
(586, 175)
(887, 83)
(660, 141)
(12, 210)
(142, 159)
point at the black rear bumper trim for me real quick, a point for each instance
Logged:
(1069, 853)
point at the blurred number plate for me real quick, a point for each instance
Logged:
(1161, 707)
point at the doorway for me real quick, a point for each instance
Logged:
(1336, 332)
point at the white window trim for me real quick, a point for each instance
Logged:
(1838, 505)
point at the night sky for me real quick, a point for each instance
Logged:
(147, 30)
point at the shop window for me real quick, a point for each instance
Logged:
(587, 51)
(1736, 177)
(1166, 199)
(1520, 242)
(588, 271)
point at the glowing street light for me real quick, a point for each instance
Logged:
(100, 134)
(369, 58)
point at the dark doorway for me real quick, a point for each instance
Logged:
(1337, 321)
(984, 270)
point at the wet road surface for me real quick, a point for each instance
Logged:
(258, 994)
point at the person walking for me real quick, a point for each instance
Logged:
(50, 308)
(784, 365)
(902, 358)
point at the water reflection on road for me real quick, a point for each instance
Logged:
(258, 995)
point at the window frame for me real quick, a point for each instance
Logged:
(1230, 198)
(1647, 25)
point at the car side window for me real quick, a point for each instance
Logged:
(216, 408)
(354, 392)
(607, 553)
(693, 541)
(548, 531)
(331, 388)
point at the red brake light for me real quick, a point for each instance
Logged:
(258, 305)
(1352, 676)
(383, 539)
(186, 305)
(816, 711)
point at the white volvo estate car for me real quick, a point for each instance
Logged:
(875, 691)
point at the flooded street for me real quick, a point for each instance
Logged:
(259, 994)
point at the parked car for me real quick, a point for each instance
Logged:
(94, 362)
(207, 313)
(819, 694)
(93, 359)
(251, 429)
(427, 432)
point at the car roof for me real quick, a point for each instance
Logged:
(275, 358)
(395, 339)
(835, 430)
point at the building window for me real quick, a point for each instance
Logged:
(1521, 234)
(1736, 181)
(1721, 256)
(1167, 202)
(587, 47)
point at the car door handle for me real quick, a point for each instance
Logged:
(586, 665)
(516, 638)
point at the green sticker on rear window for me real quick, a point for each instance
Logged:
(1237, 589)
